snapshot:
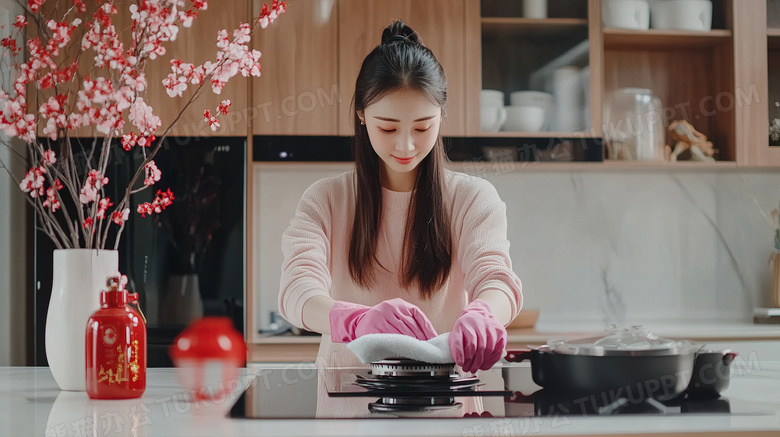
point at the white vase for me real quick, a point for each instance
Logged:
(78, 277)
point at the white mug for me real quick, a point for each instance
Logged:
(535, 8)
(626, 14)
(693, 15)
(492, 118)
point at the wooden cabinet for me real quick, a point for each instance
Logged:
(298, 92)
(439, 22)
(197, 45)
(757, 46)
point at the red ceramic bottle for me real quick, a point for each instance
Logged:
(116, 347)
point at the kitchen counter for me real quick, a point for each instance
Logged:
(32, 405)
(543, 331)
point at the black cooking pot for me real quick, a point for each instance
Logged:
(629, 363)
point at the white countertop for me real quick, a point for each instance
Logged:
(547, 329)
(32, 405)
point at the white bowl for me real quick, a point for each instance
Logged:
(492, 118)
(524, 118)
(541, 99)
(695, 15)
(491, 98)
(626, 14)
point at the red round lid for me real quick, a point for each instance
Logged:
(209, 338)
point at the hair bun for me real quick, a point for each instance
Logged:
(399, 31)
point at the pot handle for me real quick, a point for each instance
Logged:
(518, 355)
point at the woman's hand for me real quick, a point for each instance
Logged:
(477, 340)
(349, 321)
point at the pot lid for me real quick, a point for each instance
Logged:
(636, 340)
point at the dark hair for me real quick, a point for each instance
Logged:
(401, 62)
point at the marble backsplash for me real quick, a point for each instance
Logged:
(626, 247)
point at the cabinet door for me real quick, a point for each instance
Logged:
(298, 91)
(759, 36)
(197, 45)
(439, 22)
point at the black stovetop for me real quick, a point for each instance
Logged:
(300, 391)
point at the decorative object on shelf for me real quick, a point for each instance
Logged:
(535, 8)
(116, 345)
(633, 125)
(66, 182)
(492, 111)
(568, 99)
(693, 15)
(207, 355)
(774, 128)
(182, 302)
(685, 138)
(626, 14)
(78, 277)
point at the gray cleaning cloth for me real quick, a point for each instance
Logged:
(375, 347)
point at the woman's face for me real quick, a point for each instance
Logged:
(403, 126)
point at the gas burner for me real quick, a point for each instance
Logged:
(399, 404)
(404, 367)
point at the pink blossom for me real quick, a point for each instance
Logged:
(152, 173)
(103, 205)
(50, 158)
(89, 192)
(51, 199)
(88, 222)
(33, 182)
(200, 4)
(211, 120)
(223, 107)
(120, 217)
(142, 117)
(54, 112)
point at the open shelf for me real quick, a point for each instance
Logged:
(773, 32)
(509, 134)
(532, 26)
(608, 166)
(663, 39)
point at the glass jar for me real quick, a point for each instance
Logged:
(634, 125)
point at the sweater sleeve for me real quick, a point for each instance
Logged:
(306, 250)
(484, 250)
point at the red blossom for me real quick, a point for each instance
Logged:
(160, 202)
(35, 5)
(211, 120)
(80, 5)
(10, 43)
(268, 15)
(88, 222)
(153, 173)
(120, 217)
(103, 205)
(20, 22)
(223, 107)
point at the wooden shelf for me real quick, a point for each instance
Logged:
(609, 166)
(773, 32)
(532, 26)
(663, 39)
(507, 134)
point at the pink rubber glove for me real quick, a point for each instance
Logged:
(477, 340)
(349, 321)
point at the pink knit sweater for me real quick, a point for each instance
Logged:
(316, 246)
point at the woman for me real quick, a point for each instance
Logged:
(400, 244)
